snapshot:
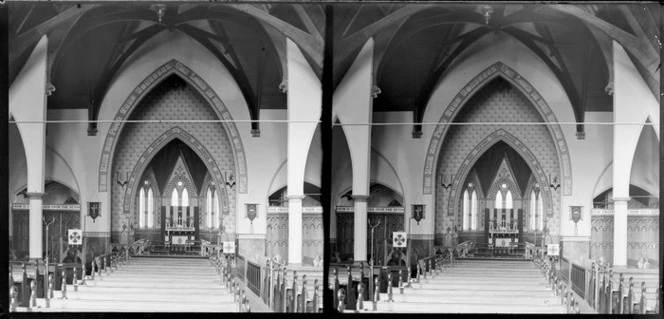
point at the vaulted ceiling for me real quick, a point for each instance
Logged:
(90, 42)
(415, 45)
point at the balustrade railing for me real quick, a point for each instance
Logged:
(241, 267)
(254, 278)
(272, 285)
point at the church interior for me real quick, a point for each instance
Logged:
(497, 140)
(482, 157)
(177, 138)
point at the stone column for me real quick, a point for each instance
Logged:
(27, 103)
(304, 111)
(36, 225)
(295, 229)
(360, 230)
(620, 231)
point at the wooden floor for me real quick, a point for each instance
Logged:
(149, 285)
(477, 286)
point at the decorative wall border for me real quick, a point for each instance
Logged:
(483, 146)
(351, 209)
(250, 236)
(146, 86)
(497, 69)
(25, 207)
(154, 148)
(284, 210)
(97, 234)
(421, 236)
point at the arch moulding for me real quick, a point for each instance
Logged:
(483, 146)
(154, 148)
(142, 89)
(536, 99)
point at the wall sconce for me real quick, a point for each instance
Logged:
(554, 182)
(122, 182)
(441, 177)
(230, 181)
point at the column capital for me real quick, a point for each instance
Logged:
(35, 195)
(621, 199)
(295, 197)
(360, 197)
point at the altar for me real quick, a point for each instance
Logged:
(504, 231)
(179, 235)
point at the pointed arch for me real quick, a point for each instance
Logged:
(150, 208)
(499, 200)
(141, 208)
(208, 206)
(175, 198)
(466, 210)
(154, 148)
(464, 95)
(473, 210)
(481, 148)
(142, 89)
(508, 200)
(185, 198)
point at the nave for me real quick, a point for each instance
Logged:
(141, 284)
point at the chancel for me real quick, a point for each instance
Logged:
(149, 129)
(515, 145)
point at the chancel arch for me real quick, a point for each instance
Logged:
(498, 101)
(203, 148)
(528, 91)
(146, 86)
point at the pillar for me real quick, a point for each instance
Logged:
(353, 104)
(295, 229)
(620, 231)
(305, 95)
(360, 231)
(36, 225)
(631, 104)
(27, 103)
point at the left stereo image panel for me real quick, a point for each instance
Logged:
(165, 157)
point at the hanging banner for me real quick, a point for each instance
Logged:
(553, 250)
(252, 212)
(75, 237)
(399, 239)
(94, 210)
(418, 212)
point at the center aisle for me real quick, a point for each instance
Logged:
(477, 286)
(151, 285)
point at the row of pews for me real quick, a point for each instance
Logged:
(557, 285)
(602, 292)
(615, 295)
(225, 271)
(357, 288)
(32, 283)
(279, 290)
